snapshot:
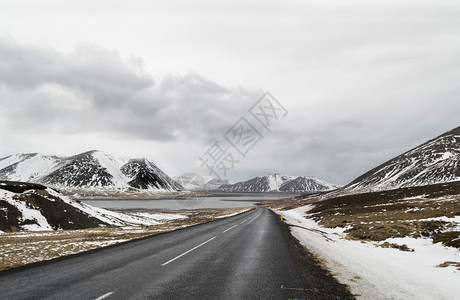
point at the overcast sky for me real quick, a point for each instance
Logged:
(362, 81)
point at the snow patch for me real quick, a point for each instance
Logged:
(28, 214)
(30, 167)
(374, 272)
(112, 165)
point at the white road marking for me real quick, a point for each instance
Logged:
(173, 259)
(104, 296)
(229, 228)
(243, 221)
(253, 217)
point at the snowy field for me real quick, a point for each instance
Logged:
(425, 271)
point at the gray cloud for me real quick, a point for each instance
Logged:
(362, 82)
(95, 90)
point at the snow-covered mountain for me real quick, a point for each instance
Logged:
(27, 167)
(34, 207)
(267, 183)
(435, 161)
(276, 182)
(197, 182)
(307, 184)
(192, 181)
(214, 184)
(92, 169)
(144, 174)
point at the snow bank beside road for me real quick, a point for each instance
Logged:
(373, 272)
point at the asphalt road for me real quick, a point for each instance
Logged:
(248, 256)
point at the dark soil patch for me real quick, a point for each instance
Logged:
(20, 187)
(59, 214)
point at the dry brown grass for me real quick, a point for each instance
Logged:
(381, 221)
(377, 216)
(286, 204)
(382, 215)
(450, 263)
(402, 247)
(22, 248)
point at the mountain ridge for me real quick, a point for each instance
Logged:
(90, 169)
(196, 182)
(435, 161)
(279, 183)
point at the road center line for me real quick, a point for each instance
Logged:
(243, 221)
(229, 228)
(104, 296)
(188, 251)
(256, 216)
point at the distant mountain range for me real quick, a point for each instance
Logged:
(196, 182)
(214, 184)
(92, 169)
(280, 183)
(436, 161)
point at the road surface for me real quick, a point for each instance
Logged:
(248, 256)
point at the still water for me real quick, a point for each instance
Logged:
(230, 200)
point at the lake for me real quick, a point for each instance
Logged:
(228, 200)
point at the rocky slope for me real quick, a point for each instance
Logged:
(435, 161)
(35, 207)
